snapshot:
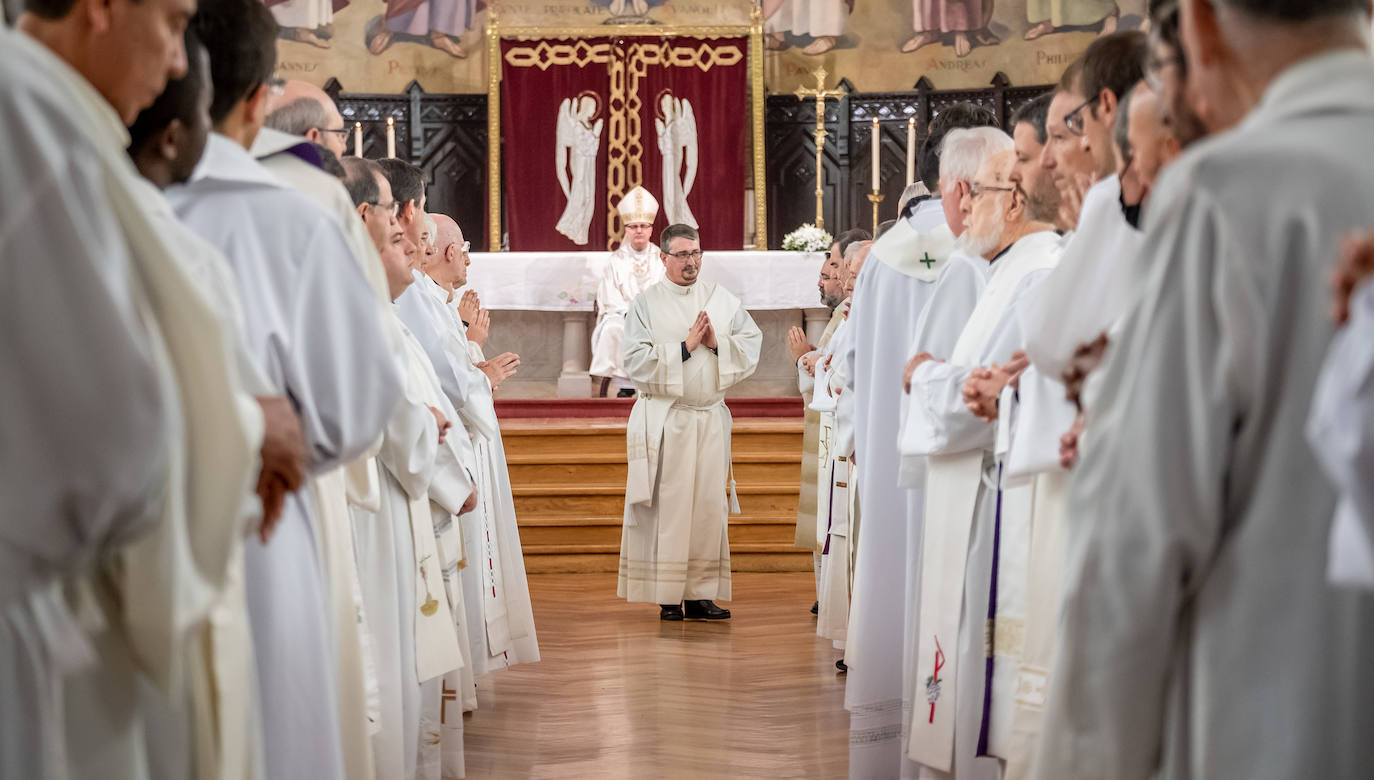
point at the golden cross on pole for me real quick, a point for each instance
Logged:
(820, 93)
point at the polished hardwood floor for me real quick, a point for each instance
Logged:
(620, 695)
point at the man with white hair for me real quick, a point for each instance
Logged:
(1195, 586)
(892, 290)
(631, 269)
(962, 498)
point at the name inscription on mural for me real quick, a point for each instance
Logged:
(298, 67)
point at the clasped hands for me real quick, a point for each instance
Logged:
(702, 333)
(984, 386)
(796, 341)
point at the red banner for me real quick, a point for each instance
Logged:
(585, 121)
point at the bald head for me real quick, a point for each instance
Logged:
(305, 109)
(450, 268)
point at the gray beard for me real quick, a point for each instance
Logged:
(831, 301)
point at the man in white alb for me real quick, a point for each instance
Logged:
(1198, 633)
(961, 521)
(312, 327)
(630, 271)
(686, 343)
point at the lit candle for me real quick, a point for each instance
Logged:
(390, 137)
(877, 142)
(357, 139)
(910, 150)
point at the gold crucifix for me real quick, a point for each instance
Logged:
(820, 93)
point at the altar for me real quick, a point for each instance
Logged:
(542, 308)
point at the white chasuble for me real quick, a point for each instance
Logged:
(1340, 431)
(133, 360)
(214, 723)
(890, 296)
(626, 274)
(833, 468)
(1198, 627)
(496, 592)
(808, 532)
(679, 491)
(313, 330)
(1094, 285)
(960, 532)
(356, 482)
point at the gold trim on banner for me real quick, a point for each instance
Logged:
(545, 55)
(624, 167)
(493, 133)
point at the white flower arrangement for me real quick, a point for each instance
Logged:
(807, 238)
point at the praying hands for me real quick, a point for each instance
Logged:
(984, 386)
(796, 341)
(701, 333)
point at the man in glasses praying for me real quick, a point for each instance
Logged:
(686, 343)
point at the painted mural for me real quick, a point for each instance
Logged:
(879, 45)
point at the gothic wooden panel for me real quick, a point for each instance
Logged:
(446, 135)
(791, 151)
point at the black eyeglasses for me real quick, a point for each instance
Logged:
(686, 254)
(1074, 119)
(393, 206)
(341, 132)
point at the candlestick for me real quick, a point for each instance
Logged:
(390, 137)
(357, 139)
(875, 198)
(910, 151)
(876, 148)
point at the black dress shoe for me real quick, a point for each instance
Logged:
(842, 666)
(816, 608)
(626, 392)
(705, 610)
(670, 612)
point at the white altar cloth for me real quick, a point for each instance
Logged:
(567, 281)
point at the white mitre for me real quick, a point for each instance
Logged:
(637, 206)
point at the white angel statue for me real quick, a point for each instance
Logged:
(577, 142)
(677, 142)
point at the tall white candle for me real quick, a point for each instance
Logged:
(910, 150)
(390, 137)
(357, 139)
(876, 147)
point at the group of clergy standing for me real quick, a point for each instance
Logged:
(257, 519)
(1088, 463)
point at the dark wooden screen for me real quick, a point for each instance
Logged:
(446, 135)
(791, 149)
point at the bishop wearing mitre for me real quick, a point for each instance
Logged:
(686, 343)
(630, 271)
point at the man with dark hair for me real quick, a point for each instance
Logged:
(1184, 650)
(311, 326)
(958, 115)
(1112, 65)
(408, 187)
(686, 343)
(1028, 133)
(130, 445)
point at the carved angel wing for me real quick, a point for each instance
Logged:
(564, 135)
(687, 138)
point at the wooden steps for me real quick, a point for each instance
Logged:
(568, 480)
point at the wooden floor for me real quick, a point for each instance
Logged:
(620, 695)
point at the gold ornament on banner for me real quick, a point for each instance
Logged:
(624, 172)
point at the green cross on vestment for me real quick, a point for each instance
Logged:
(927, 259)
